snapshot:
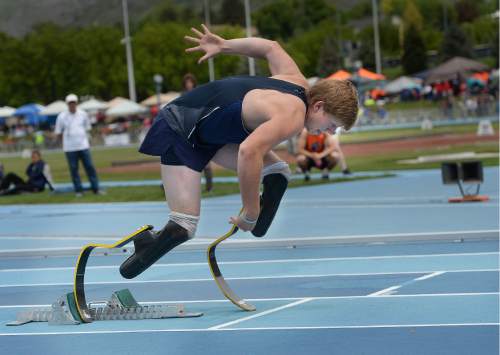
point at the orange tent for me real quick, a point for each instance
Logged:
(366, 74)
(340, 75)
(483, 76)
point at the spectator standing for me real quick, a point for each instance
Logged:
(73, 126)
(321, 151)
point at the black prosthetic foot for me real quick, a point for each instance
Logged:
(274, 188)
(151, 247)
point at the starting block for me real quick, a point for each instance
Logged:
(121, 306)
(72, 308)
(470, 172)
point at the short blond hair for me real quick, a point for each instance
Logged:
(340, 98)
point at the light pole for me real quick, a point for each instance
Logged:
(445, 17)
(248, 24)
(206, 6)
(378, 62)
(158, 79)
(128, 50)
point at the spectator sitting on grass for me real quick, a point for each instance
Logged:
(321, 151)
(36, 171)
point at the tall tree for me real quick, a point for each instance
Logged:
(412, 16)
(232, 12)
(414, 58)
(329, 59)
(367, 55)
(467, 10)
(276, 20)
(455, 43)
(305, 48)
(282, 19)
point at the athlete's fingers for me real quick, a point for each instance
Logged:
(197, 31)
(193, 49)
(192, 39)
(202, 59)
(205, 29)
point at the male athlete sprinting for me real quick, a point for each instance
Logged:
(235, 122)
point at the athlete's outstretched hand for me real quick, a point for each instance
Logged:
(207, 42)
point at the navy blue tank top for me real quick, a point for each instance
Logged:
(186, 114)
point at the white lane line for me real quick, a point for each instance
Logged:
(69, 238)
(369, 326)
(270, 261)
(385, 291)
(270, 277)
(429, 276)
(390, 290)
(261, 314)
(180, 330)
(460, 294)
(308, 237)
(398, 206)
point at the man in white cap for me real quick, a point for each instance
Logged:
(73, 125)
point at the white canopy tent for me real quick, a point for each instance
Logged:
(402, 83)
(7, 111)
(164, 99)
(93, 105)
(117, 100)
(126, 108)
(54, 108)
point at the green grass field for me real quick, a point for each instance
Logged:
(146, 193)
(104, 157)
(373, 136)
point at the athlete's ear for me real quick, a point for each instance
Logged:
(318, 105)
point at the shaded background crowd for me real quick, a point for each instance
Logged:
(443, 67)
(421, 63)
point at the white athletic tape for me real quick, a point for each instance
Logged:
(277, 168)
(190, 223)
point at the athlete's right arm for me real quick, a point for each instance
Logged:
(280, 63)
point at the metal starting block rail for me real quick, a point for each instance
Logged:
(73, 308)
(121, 306)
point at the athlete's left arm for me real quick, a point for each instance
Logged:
(277, 129)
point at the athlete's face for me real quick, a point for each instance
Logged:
(320, 121)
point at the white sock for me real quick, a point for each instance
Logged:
(186, 221)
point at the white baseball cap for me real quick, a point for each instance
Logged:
(71, 98)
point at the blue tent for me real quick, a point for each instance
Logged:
(31, 114)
